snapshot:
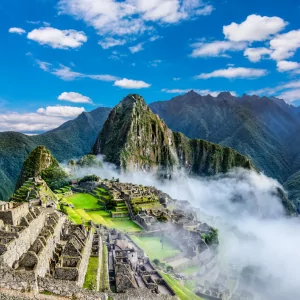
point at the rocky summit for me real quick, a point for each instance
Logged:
(134, 138)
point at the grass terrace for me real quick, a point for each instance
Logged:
(83, 203)
(153, 247)
(181, 291)
(90, 281)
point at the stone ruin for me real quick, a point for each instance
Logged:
(129, 268)
(42, 251)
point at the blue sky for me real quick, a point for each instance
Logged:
(59, 58)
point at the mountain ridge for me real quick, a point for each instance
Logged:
(134, 138)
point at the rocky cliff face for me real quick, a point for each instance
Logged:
(40, 162)
(134, 138)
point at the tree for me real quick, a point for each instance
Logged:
(156, 261)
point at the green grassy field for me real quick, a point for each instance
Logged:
(82, 201)
(182, 292)
(153, 247)
(190, 270)
(87, 201)
(90, 281)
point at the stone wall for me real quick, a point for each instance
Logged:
(22, 244)
(85, 258)
(14, 213)
(46, 253)
(17, 280)
(68, 289)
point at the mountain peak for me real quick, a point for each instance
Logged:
(134, 138)
(38, 160)
(224, 94)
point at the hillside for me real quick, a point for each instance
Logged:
(134, 138)
(265, 130)
(77, 136)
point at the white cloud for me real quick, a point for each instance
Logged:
(16, 30)
(256, 54)
(42, 120)
(55, 38)
(74, 97)
(284, 65)
(254, 28)
(200, 92)
(290, 96)
(154, 38)
(110, 42)
(66, 73)
(61, 111)
(132, 17)
(137, 48)
(285, 45)
(33, 22)
(44, 65)
(289, 91)
(234, 73)
(176, 78)
(216, 48)
(131, 84)
(155, 62)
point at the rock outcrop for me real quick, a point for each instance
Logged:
(134, 138)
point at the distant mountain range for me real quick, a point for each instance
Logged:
(266, 130)
(71, 140)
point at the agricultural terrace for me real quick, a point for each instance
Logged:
(86, 207)
(153, 247)
(181, 291)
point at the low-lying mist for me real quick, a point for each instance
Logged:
(253, 228)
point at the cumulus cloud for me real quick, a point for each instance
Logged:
(198, 91)
(254, 28)
(74, 97)
(256, 54)
(132, 17)
(42, 120)
(110, 42)
(137, 48)
(284, 65)
(234, 73)
(61, 111)
(131, 84)
(216, 48)
(285, 45)
(56, 38)
(16, 30)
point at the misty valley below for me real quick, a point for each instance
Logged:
(258, 242)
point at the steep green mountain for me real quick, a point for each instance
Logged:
(265, 130)
(134, 138)
(293, 186)
(41, 163)
(71, 140)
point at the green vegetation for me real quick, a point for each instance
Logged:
(182, 292)
(190, 270)
(72, 139)
(211, 237)
(89, 160)
(84, 201)
(90, 281)
(104, 280)
(153, 247)
(89, 178)
(87, 207)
